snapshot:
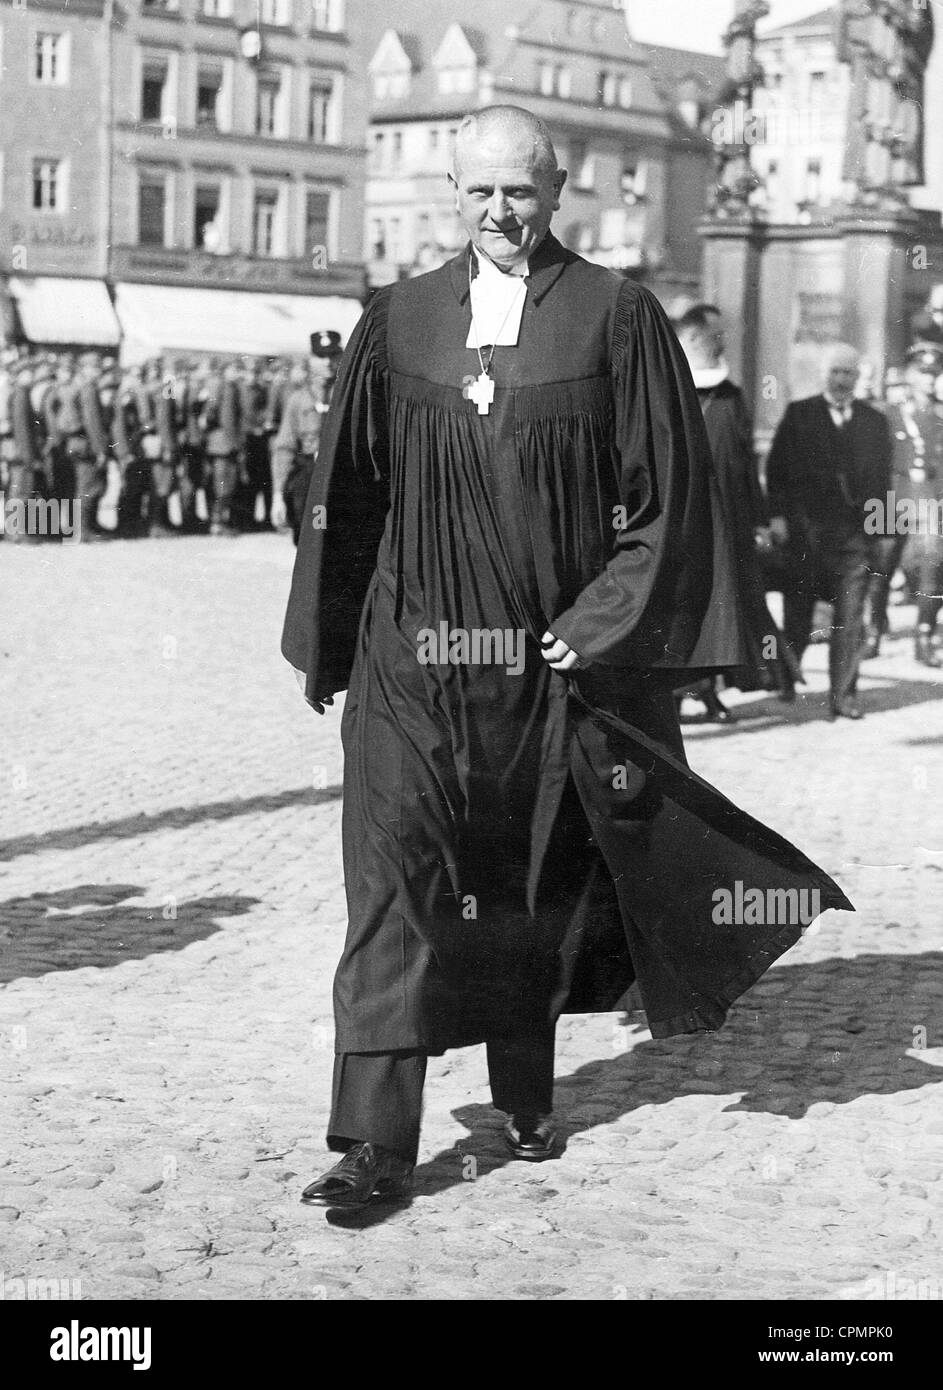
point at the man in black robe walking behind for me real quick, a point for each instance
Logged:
(522, 556)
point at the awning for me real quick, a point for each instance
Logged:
(171, 318)
(54, 309)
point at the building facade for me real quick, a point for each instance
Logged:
(638, 160)
(195, 147)
(807, 123)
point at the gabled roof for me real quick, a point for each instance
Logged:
(455, 50)
(819, 20)
(670, 67)
(390, 55)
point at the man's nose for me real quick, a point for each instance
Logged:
(498, 209)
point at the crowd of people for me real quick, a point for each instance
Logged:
(226, 448)
(853, 494)
(233, 443)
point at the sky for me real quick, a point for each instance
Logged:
(699, 24)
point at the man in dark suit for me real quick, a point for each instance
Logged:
(830, 455)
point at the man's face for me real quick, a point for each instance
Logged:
(842, 378)
(504, 202)
(921, 382)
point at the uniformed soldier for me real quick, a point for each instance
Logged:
(916, 424)
(8, 366)
(192, 471)
(85, 444)
(255, 472)
(223, 425)
(127, 430)
(296, 444)
(23, 458)
(61, 415)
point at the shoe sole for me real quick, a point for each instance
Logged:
(528, 1155)
(360, 1203)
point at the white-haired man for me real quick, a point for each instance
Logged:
(831, 453)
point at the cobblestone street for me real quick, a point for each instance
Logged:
(173, 908)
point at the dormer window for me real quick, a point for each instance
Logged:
(390, 68)
(456, 80)
(455, 62)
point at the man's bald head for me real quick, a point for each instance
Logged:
(507, 182)
(842, 362)
(509, 131)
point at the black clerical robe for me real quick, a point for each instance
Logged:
(519, 843)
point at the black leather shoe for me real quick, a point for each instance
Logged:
(531, 1137)
(717, 712)
(872, 646)
(924, 652)
(366, 1173)
(846, 709)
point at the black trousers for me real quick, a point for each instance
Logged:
(377, 1096)
(842, 578)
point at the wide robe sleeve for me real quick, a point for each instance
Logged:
(667, 597)
(345, 514)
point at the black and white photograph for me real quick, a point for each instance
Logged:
(471, 561)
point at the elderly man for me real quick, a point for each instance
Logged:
(830, 455)
(519, 563)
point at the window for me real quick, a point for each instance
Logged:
(606, 89)
(48, 185)
(394, 239)
(816, 88)
(433, 140)
(51, 59)
(456, 80)
(813, 180)
(317, 219)
(625, 92)
(377, 240)
(267, 104)
(274, 12)
(152, 211)
(209, 90)
(387, 85)
(321, 112)
(207, 231)
(265, 215)
(582, 165)
(378, 156)
(553, 80)
(326, 15)
(218, 9)
(396, 152)
(153, 89)
(629, 177)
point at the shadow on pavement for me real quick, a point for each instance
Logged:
(851, 1023)
(175, 818)
(769, 711)
(93, 924)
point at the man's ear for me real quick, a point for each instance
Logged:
(452, 180)
(560, 180)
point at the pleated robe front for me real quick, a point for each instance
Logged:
(518, 843)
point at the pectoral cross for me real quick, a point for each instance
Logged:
(482, 393)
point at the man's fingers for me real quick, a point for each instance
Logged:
(567, 663)
(558, 656)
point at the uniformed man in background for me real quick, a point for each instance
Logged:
(295, 447)
(916, 424)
